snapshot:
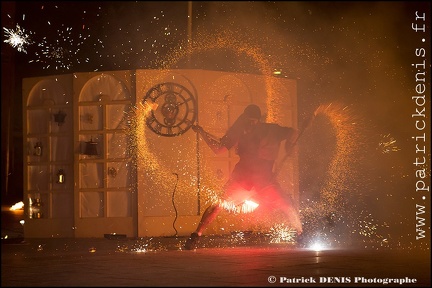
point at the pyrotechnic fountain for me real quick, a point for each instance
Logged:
(323, 217)
(319, 215)
(330, 217)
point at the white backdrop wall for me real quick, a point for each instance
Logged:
(141, 183)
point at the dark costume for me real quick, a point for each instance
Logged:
(258, 150)
(252, 179)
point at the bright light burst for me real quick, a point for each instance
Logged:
(17, 206)
(317, 246)
(18, 38)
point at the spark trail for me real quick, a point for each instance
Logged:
(321, 216)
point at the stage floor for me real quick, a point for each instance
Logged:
(162, 262)
(243, 259)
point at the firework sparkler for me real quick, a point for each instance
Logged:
(18, 38)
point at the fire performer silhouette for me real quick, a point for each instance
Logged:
(253, 179)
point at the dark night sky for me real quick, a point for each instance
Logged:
(355, 53)
(328, 46)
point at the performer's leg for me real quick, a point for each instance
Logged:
(209, 215)
(233, 195)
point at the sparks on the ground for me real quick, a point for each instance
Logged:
(280, 233)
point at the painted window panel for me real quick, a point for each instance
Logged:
(119, 204)
(91, 175)
(92, 204)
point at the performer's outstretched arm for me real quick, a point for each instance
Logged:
(212, 141)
